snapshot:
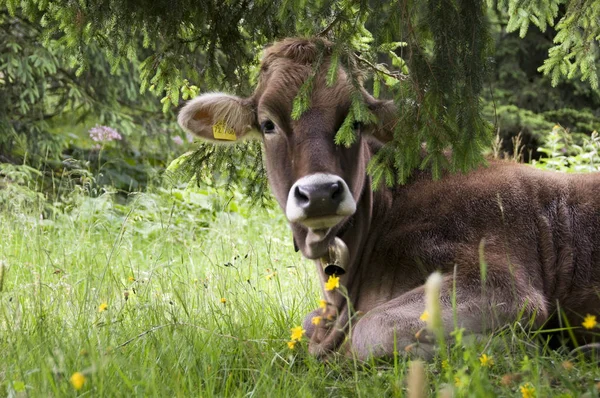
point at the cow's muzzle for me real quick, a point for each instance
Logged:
(319, 201)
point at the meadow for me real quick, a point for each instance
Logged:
(192, 292)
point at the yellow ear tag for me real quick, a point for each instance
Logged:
(222, 132)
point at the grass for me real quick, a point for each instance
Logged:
(167, 295)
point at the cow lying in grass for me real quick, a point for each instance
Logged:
(539, 232)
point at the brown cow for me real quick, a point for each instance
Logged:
(540, 231)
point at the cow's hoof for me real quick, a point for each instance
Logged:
(319, 351)
(424, 351)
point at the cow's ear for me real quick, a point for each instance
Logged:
(219, 117)
(387, 117)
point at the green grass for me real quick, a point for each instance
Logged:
(162, 262)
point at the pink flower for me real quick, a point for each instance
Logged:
(104, 134)
(177, 140)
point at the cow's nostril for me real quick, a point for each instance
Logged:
(336, 191)
(301, 195)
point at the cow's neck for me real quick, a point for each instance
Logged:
(360, 238)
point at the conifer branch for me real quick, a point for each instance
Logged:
(330, 26)
(396, 75)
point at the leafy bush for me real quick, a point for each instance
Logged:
(564, 154)
(48, 111)
(17, 189)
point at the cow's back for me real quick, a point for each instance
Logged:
(541, 227)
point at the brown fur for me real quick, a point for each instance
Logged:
(540, 230)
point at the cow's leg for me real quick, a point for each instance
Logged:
(327, 332)
(397, 324)
(308, 324)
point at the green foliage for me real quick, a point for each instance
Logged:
(359, 115)
(522, 13)
(16, 188)
(51, 94)
(577, 40)
(165, 37)
(563, 154)
(235, 166)
(520, 100)
(577, 34)
(439, 102)
(302, 100)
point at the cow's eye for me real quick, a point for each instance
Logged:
(267, 127)
(357, 125)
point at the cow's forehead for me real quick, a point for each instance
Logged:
(281, 82)
(282, 79)
(299, 50)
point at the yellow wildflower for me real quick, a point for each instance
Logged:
(589, 322)
(424, 316)
(527, 390)
(332, 283)
(77, 380)
(316, 320)
(270, 276)
(461, 380)
(297, 333)
(458, 382)
(291, 344)
(131, 278)
(223, 300)
(486, 361)
(323, 305)
(445, 364)
(102, 307)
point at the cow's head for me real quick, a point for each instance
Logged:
(316, 182)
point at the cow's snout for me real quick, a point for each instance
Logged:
(319, 201)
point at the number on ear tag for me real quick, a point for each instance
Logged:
(222, 132)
